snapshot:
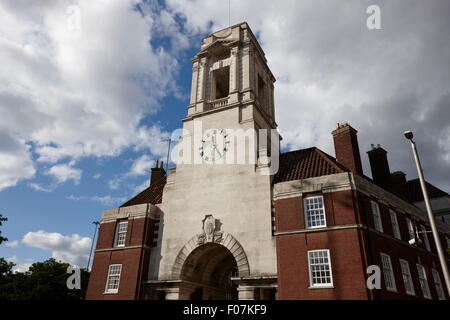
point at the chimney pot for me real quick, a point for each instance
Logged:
(346, 148)
(157, 172)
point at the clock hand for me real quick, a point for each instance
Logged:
(215, 147)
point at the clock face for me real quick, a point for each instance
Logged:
(214, 145)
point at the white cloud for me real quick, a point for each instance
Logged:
(144, 185)
(20, 266)
(330, 68)
(97, 176)
(12, 244)
(75, 198)
(115, 182)
(38, 187)
(72, 249)
(105, 200)
(75, 94)
(141, 166)
(15, 162)
(64, 172)
(108, 200)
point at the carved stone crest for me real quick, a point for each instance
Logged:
(209, 234)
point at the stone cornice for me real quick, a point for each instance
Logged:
(353, 226)
(132, 212)
(122, 248)
(350, 181)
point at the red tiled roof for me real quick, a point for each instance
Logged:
(414, 191)
(306, 163)
(153, 194)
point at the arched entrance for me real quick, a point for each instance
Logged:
(205, 267)
(207, 273)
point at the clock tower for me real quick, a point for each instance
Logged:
(216, 227)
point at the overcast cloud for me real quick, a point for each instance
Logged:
(75, 93)
(71, 95)
(330, 68)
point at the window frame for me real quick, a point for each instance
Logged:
(108, 278)
(438, 284)
(426, 241)
(390, 272)
(320, 285)
(305, 212)
(428, 295)
(376, 216)
(119, 232)
(395, 226)
(411, 292)
(410, 227)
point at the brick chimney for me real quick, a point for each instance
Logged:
(379, 166)
(397, 182)
(157, 172)
(346, 148)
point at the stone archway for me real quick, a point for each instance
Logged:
(227, 240)
(206, 268)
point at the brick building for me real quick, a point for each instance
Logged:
(224, 227)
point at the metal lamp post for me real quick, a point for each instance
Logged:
(409, 135)
(92, 244)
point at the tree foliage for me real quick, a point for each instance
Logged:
(44, 281)
(1, 220)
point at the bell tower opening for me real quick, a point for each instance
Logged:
(220, 83)
(207, 272)
(262, 93)
(231, 71)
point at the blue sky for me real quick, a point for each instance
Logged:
(83, 107)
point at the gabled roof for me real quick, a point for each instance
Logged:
(153, 194)
(414, 191)
(306, 163)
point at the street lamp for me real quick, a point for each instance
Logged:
(409, 135)
(92, 244)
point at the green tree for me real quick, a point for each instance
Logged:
(1, 220)
(44, 281)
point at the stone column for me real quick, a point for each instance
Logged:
(246, 292)
(195, 69)
(202, 78)
(172, 294)
(246, 72)
(234, 75)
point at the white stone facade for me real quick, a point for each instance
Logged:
(237, 195)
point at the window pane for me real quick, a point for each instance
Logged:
(314, 212)
(112, 284)
(388, 272)
(423, 281)
(320, 269)
(376, 217)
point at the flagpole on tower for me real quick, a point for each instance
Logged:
(229, 12)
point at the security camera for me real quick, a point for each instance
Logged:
(415, 241)
(408, 134)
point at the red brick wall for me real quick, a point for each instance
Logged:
(406, 252)
(398, 249)
(351, 250)
(289, 212)
(106, 234)
(135, 261)
(346, 265)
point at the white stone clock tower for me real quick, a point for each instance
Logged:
(215, 231)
